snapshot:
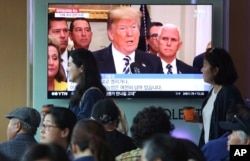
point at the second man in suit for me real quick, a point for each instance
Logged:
(169, 43)
(123, 27)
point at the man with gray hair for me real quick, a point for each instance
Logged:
(23, 124)
(169, 42)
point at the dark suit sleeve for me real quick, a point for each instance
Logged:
(104, 59)
(184, 68)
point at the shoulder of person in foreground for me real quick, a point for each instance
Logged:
(210, 149)
(133, 155)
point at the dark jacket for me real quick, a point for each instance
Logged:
(119, 143)
(183, 68)
(211, 149)
(89, 98)
(15, 148)
(147, 63)
(198, 61)
(227, 96)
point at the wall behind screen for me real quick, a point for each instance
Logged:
(13, 61)
(130, 106)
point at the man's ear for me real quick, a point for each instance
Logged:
(110, 35)
(18, 127)
(179, 45)
(248, 140)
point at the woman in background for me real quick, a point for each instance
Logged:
(219, 71)
(83, 70)
(56, 75)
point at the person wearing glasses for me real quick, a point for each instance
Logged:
(152, 35)
(123, 28)
(169, 43)
(22, 127)
(219, 71)
(57, 127)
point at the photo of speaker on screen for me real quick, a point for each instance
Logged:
(169, 42)
(122, 56)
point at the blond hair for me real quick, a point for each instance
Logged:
(52, 41)
(123, 12)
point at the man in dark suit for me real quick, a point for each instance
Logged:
(198, 60)
(169, 43)
(121, 56)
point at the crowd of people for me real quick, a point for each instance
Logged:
(88, 130)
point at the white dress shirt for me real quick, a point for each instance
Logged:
(118, 59)
(174, 66)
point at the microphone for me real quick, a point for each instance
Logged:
(135, 68)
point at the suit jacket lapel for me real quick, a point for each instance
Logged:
(108, 57)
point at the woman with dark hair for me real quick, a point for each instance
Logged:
(84, 71)
(89, 142)
(219, 71)
(45, 152)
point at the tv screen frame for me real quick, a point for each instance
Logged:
(197, 32)
(152, 94)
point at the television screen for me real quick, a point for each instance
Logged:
(194, 22)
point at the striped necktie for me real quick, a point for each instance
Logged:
(126, 68)
(169, 68)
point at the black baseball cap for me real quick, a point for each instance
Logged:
(105, 111)
(241, 122)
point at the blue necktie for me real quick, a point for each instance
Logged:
(126, 68)
(169, 67)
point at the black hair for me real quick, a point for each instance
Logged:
(220, 58)
(71, 27)
(63, 118)
(51, 17)
(51, 151)
(168, 148)
(91, 134)
(148, 122)
(152, 24)
(90, 76)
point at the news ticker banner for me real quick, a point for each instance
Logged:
(154, 82)
(148, 85)
(239, 153)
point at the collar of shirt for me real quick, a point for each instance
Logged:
(118, 59)
(174, 67)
